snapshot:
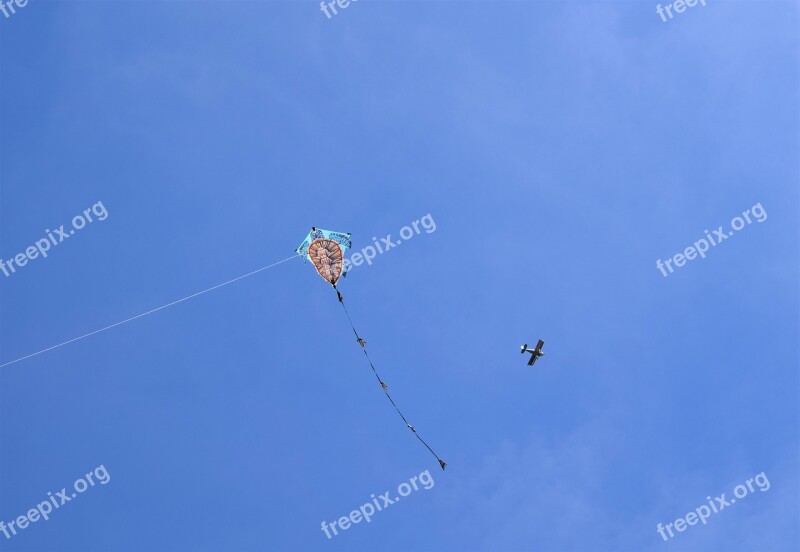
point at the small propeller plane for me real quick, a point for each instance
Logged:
(535, 353)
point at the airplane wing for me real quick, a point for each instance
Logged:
(532, 360)
(539, 345)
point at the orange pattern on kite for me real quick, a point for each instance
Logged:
(327, 258)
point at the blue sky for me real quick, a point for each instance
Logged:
(560, 148)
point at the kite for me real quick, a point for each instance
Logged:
(325, 250)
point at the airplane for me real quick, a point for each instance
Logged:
(535, 353)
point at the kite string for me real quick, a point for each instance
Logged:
(150, 311)
(383, 385)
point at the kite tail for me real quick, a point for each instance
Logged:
(383, 385)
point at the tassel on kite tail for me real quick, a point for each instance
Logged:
(383, 385)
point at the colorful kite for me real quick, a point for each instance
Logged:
(325, 249)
